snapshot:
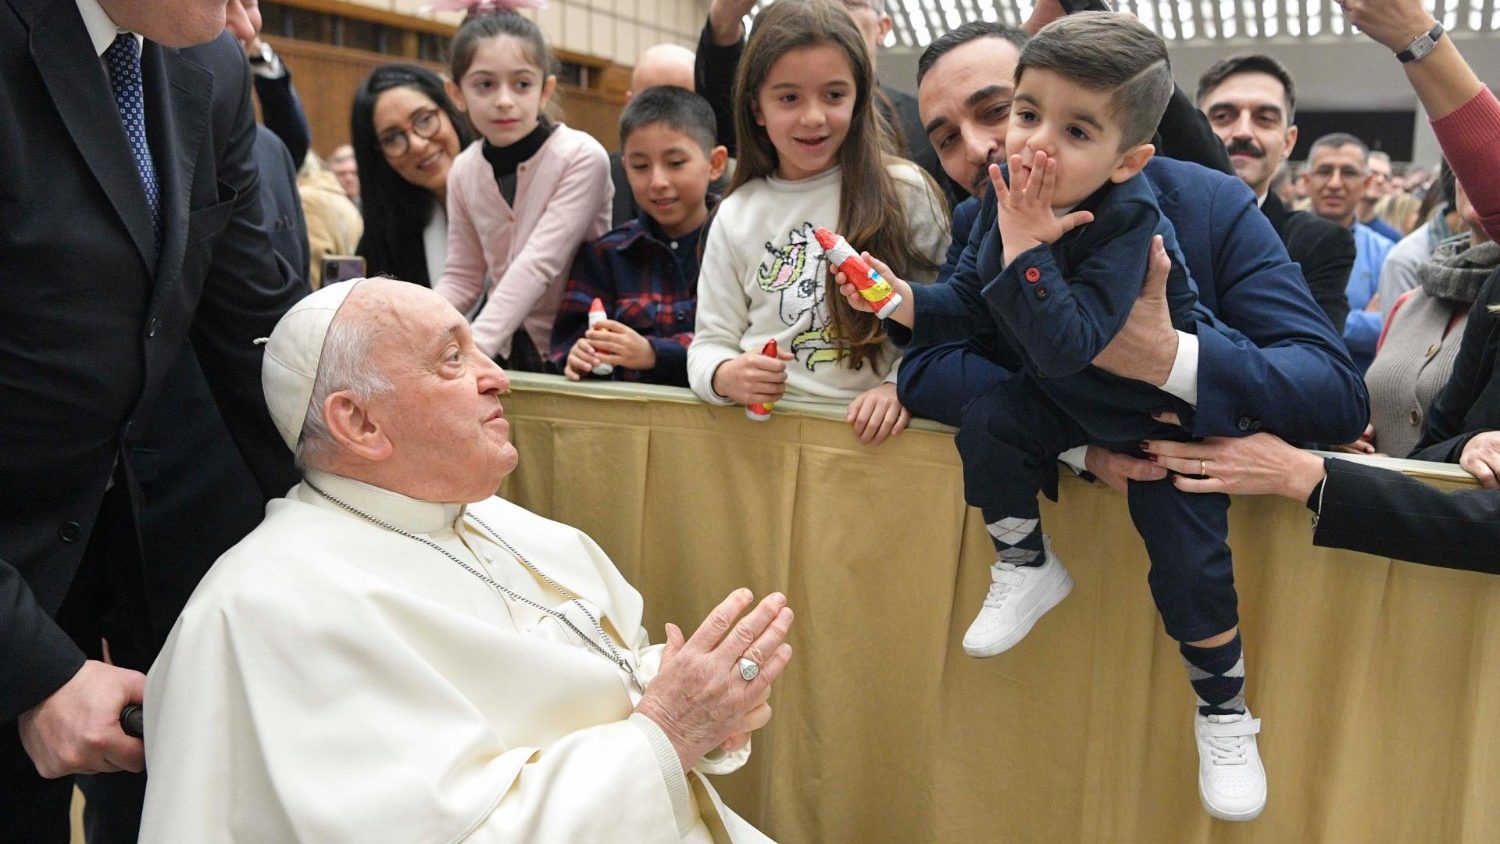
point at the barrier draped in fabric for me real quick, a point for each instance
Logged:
(1375, 679)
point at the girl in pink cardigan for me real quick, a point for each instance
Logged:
(522, 199)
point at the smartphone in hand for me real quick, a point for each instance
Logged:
(342, 268)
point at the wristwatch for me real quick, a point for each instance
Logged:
(1421, 45)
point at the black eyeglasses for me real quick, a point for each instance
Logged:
(424, 124)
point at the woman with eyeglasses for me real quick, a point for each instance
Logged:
(406, 133)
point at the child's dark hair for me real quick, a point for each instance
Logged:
(493, 25)
(673, 107)
(1109, 52)
(872, 213)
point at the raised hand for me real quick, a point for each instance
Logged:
(700, 699)
(1025, 209)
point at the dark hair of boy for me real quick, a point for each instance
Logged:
(1248, 63)
(1111, 52)
(963, 34)
(676, 108)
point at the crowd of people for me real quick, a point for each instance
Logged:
(1081, 264)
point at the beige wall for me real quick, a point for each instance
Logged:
(611, 29)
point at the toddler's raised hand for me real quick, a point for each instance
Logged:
(1025, 211)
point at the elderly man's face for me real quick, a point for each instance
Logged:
(874, 24)
(448, 433)
(965, 103)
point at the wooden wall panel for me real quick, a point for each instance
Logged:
(326, 78)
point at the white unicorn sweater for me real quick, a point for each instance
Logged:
(763, 276)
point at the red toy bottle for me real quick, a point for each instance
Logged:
(872, 288)
(762, 412)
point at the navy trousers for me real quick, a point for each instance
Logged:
(1010, 434)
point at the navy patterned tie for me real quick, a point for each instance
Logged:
(124, 60)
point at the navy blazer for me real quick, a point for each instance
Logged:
(1286, 370)
(93, 321)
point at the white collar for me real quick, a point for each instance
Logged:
(1260, 201)
(408, 514)
(102, 29)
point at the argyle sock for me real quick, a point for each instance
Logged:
(1217, 675)
(1017, 541)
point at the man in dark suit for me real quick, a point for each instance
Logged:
(1250, 101)
(718, 57)
(130, 224)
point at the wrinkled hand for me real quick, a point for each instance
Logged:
(1253, 465)
(242, 19)
(698, 698)
(1146, 346)
(581, 361)
(619, 344)
(876, 414)
(76, 730)
(1115, 468)
(752, 378)
(1393, 23)
(1481, 458)
(1025, 209)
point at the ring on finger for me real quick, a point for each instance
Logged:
(1203, 467)
(749, 668)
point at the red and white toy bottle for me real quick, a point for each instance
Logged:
(762, 412)
(872, 287)
(596, 316)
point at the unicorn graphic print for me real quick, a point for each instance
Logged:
(795, 271)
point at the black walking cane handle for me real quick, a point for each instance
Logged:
(133, 721)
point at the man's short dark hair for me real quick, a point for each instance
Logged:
(1339, 139)
(1113, 53)
(963, 34)
(1249, 63)
(677, 108)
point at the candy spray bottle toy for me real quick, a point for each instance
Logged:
(762, 412)
(596, 316)
(872, 288)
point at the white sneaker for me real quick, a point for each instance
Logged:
(1231, 778)
(1019, 595)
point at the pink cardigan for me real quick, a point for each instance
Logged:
(1468, 137)
(563, 196)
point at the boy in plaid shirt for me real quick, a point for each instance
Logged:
(646, 271)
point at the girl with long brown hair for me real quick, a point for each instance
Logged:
(811, 155)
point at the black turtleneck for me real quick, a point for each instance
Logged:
(505, 160)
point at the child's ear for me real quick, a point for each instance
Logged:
(718, 159)
(547, 88)
(1132, 162)
(760, 119)
(455, 94)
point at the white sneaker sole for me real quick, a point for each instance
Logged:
(1049, 600)
(1247, 815)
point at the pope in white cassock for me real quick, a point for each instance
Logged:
(395, 654)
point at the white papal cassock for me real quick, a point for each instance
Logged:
(332, 680)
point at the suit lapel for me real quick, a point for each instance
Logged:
(80, 90)
(1276, 213)
(177, 111)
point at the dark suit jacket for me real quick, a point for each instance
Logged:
(1289, 370)
(1385, 513)
(1470, 402)
(91, 320)
(1325, 250)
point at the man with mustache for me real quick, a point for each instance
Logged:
(1250, 101)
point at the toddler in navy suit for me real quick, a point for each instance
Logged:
(1076, 224)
